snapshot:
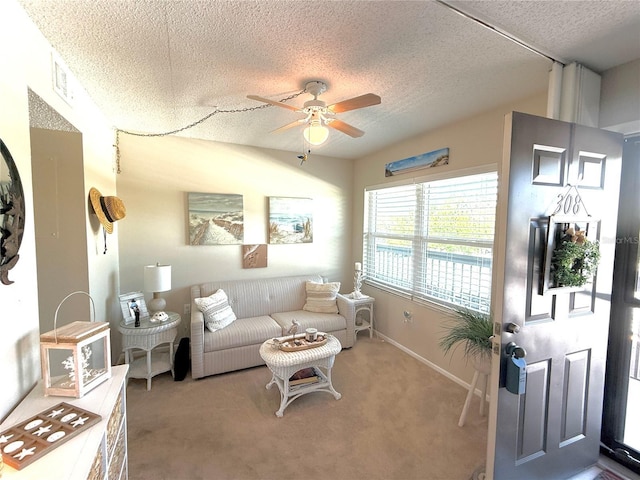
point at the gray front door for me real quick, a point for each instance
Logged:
(554, 176)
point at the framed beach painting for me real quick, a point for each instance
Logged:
(290, 220)
(419, 162)
(215, 219)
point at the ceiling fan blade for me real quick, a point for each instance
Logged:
(288, 126)
(273, 102)
(345, 128)
(362, 101)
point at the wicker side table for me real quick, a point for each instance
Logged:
(146, 337)
(284, 364)
(364, 305)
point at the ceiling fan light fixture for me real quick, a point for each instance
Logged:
(315, 133)
(319, 115)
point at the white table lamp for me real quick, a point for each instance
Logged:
(157, 278)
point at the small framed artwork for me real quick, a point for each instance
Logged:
(419, 162)
(215, 219)
(129, 302)
(290, 220)
(254, 256)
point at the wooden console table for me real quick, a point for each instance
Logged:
(99, 453)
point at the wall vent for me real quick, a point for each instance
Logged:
(63, 83)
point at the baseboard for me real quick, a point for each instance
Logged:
(432, 365)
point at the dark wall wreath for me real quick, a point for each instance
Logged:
(11, 213)
(575, 259)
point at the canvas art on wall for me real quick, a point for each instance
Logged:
(215, 219)
(424, 160)
(254, 256)
(290, 220)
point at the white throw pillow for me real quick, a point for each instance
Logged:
(321, 297)
(216, 310)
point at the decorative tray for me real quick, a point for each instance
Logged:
(31, 439)
(294, 343)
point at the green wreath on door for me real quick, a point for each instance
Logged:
(575, 259)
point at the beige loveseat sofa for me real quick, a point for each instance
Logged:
(265, 308)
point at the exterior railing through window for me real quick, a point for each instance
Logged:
(453, 278)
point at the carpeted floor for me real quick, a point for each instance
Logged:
(397, 420)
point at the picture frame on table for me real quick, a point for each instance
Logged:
(129, 302)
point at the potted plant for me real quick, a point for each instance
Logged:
(472, 330)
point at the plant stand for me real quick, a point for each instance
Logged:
(483, 369)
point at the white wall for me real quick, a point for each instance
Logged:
(474, 142)
(620, 98)
(157, 173)
(26, 63)
(19, 334)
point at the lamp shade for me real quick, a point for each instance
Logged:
(316, 133)
(157, 278)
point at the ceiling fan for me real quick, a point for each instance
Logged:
(319, 115)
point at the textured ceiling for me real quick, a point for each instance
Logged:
(156, 66)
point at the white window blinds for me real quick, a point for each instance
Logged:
(433, 240)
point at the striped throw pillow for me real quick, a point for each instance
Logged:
(321, 297)
(216, 310)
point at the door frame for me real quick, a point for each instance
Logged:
(623, 302)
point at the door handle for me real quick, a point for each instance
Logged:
(513, 350)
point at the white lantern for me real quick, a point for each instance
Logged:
(75, 358)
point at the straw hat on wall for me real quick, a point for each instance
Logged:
(108, 209)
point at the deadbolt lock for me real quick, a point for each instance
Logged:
(513, 328)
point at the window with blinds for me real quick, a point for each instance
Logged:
(433, 241)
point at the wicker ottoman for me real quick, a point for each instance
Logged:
(284, 364)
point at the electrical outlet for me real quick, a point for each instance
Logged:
(187, 309)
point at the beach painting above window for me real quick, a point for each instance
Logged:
(215, 219)
(419, 162)
(290, 220)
